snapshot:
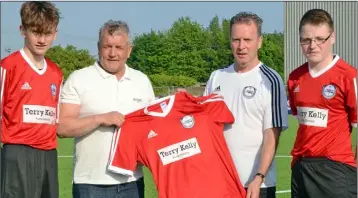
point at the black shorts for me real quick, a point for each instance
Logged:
(323, 178)
(27, 172)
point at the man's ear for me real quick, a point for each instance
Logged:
(22, 31)
(333, 38)
(260, 42)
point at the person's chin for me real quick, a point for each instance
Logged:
(40, 51)
(314, 58)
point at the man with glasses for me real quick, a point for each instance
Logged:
(322, 95)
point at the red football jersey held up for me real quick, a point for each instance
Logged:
(180, 139)
(325, 105)
(29, 101)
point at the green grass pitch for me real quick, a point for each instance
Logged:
(283, 160)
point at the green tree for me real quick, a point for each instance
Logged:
(70, 58)
(272, 52)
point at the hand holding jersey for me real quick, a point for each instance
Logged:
(180, 139)
(111, 118)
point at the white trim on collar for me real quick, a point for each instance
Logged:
(166, 110)
(32, 65)
(317, 74)
(105, 74)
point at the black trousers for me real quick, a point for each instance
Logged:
(323, 178)
(27, 172)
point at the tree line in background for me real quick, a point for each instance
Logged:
(182, 56)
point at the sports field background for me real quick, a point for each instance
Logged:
(283, 160)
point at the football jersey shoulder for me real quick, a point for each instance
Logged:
(12, 61)
(299, 71)
(226, 70)
(346, 69)
(53, 66)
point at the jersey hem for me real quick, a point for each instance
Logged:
(120, 170)
(32, 146)
(102, 182)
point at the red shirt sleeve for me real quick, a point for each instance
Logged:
(291, 85)
(123, 159)
(215, 106)
(351, 99)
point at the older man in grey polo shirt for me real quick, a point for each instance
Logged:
(93, 102)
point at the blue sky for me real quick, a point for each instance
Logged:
(82, 20)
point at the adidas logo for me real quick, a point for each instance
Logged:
(152, 134)
(26, 86)
(297, 89)
(217, 89)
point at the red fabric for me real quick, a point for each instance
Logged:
(22, 124)
(334, 139)
(185, 162)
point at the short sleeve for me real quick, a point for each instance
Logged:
(123, 158)
(70, 91)
(59, 99)
(217, 109)
(150, 92)
(351, 100)
(290, 89)
(3, 81)
(209, 84)
(275, 108)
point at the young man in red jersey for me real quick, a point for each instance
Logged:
(322, 95)
(30, 86)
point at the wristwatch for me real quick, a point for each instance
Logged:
(261, 175)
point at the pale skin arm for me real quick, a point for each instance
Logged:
(70, 125)
(269, 147)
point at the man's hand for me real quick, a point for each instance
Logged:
(253, 190)
(111, 118)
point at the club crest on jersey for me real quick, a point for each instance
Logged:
(249, 92)
(187, 121)
(329, 91)
(53, 89)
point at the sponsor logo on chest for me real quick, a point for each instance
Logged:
(39, 114)
(312, 116)
(179, 151)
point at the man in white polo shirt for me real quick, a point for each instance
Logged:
(256, 96)
(93, 102)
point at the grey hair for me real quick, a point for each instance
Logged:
(247, 18)
(114, 28)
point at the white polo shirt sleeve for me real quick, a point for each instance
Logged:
(149, 91)
(70, 91)
(275, 106)
(209, 84)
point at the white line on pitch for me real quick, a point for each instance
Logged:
(283, 191)
(65, 156)
(283, 156)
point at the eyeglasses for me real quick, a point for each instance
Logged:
(318, 41)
